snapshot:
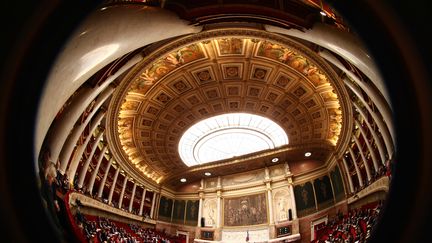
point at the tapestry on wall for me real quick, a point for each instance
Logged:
(165, 209)
(245, 210)
(323, 192)
(192, 207)
(179, 210)
(304, 198)
(338, 187)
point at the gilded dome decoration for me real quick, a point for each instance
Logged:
(215, 72)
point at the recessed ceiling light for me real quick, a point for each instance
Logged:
(307, 154)
(183, 179)
(274, 160)
(207, 174)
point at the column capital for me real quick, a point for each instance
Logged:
(289, 179)
(268, 186)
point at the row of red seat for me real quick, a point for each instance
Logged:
(353, 226)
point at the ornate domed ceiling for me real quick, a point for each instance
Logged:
(219, 71)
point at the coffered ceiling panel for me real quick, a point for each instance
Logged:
(216, 72)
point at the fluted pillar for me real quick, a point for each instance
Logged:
(142, 202)
(368, 173)
(219, 202)
(201, 195)
(351, 186)
(84, 169)
(152, 210)
(288, 176)
(293, 203)
(270, 203)
(374, 95)
(122, 192)
(374, 135)
(96, 169)
(359, 176)
(113, 185)
(384, 129)
(63, 125)
(219, 208)
(80, 148)
(157, 205)
(267, 182)
(369, 146)
(77, 130)
(102, 184)
(132, 198)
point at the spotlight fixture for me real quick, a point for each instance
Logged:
(207, 173)
(323, 13)
(274, 160)
(307, 154)
(183, 179)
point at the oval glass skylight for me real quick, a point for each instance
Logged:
(229, 135)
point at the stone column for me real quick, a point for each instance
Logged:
(102, 184)
(113, 185)
(288, 176)
(383, 127)
(368, 173)
(96, 169)
(351, 186)
(219, 202)
(61, 128)
(270, 202)
(142, 202)
(201, 196)
(293, 202)
(80, 149)
(267, 182)
(76, 132)
(153, 205)
(314, 194)
(122, 192)
(84, 169)
(219, 208)
(369, 146)
(332, 187)
(375, 96)
(132, 197)
(156, 212)
(374, 135)
(359, 176)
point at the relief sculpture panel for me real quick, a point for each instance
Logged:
(281, 204)
(209, 211)
(242, 178)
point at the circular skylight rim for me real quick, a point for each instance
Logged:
(252, 125)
